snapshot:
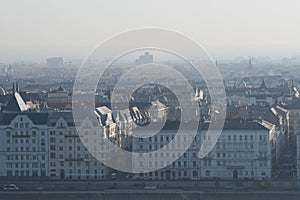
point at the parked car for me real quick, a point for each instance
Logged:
(11, 187)
(150, 187)
(113, 176)
(228, 187)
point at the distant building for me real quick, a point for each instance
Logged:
(58, 99)
(144, 59)
(250, 65)
(55, 62)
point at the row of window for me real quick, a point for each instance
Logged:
(25, 141)
(26, 157)
(240, 145)
(171, 174)
(168, 155)
(238, 173)
(24, 133)
(21, 125)
(239, 138)
(25, 149)
(25, 165)
(26, 173)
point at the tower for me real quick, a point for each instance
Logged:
(250, 65)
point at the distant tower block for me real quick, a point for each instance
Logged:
(250, 65)
(55, 62)
(144, 59)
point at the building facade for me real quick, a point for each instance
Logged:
(245, 150)
(69, 158)
(24, 146)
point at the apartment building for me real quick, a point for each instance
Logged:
(245, 150)
(24, 145)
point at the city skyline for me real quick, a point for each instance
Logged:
(33, 30)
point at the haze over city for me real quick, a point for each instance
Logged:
(149, 99)
(33, 30)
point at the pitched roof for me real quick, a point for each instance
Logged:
(15, 104)
(36, 118)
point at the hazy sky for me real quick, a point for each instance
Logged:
(31, 30)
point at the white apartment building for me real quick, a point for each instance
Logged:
(69, 159)
(245, 150)
(186, 167)
(298, 154)
(23, 145)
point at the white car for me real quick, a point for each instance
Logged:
(113, 176)
(150, 187)
(10, 187)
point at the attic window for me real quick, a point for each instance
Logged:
(21, 119)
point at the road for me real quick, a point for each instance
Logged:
(147, 194)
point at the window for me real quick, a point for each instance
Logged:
(194, 164)
(52, 140)
(8, 133)
(195, 173)
(33, 133)
(207, 173)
